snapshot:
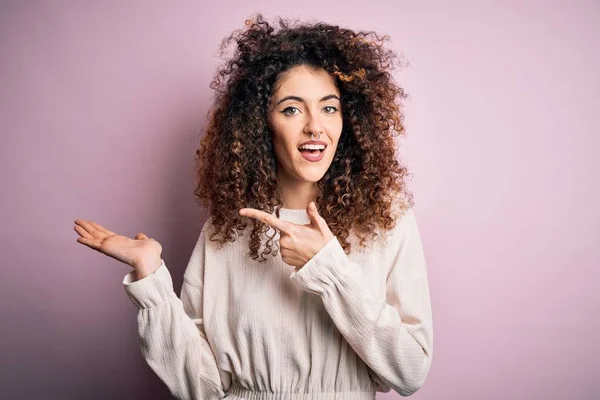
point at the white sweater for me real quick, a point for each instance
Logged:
(341, 327)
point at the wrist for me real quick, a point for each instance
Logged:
(145, 268)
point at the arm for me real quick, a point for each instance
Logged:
(392, 332)
(171, 330)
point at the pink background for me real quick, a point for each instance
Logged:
(101, 105)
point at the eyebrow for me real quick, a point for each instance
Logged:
(300, 99)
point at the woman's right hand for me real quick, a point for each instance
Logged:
(141, 253)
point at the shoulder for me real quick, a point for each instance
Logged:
(208, 229)
(406, 224)
(405, 255)
(404, 221)
(207, 225)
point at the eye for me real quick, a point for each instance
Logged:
(330, 109)
(290, 111)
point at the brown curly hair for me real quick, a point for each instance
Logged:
(236, 164)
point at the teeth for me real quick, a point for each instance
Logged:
(312, 147)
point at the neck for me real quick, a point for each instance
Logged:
(296, 193)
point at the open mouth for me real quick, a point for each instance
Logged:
(312, 155)
(311, 151)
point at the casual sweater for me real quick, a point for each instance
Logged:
(342, 326)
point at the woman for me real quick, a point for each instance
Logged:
(300, 151)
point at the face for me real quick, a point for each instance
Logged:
(305, 101)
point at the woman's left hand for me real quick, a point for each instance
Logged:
(298, 243)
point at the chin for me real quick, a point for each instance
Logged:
(312, 176)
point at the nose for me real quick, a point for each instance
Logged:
(313, 124)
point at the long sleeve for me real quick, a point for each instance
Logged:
(391, 332)
(171, 330)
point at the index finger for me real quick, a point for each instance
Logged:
(265, 218)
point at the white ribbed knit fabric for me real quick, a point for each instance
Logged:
(341, 327)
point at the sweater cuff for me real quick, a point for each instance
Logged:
(320, 273)
(150, 291)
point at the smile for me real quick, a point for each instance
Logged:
(312, 155)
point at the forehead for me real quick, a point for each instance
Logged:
(305, 82)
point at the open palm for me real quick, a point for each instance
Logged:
(134, 252)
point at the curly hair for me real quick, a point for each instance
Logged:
(236, 163)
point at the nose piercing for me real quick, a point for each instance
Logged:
(312, 135)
